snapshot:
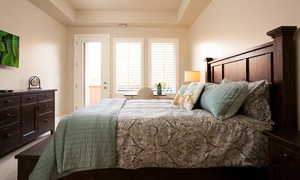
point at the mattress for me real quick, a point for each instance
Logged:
(156, 133)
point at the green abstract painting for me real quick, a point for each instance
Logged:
(9, 49)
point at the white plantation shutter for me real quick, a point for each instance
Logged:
(129, 66)
(163, 63)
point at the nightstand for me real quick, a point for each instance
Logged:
(284, 155)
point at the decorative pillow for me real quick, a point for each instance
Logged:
(179, 99)
(191, 94)
(198, 103)
(257, 103)
(224, 100)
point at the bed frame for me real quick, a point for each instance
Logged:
(274, 61)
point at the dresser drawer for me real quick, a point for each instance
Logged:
(46, 96)
(9, 101)
(46, 107)
(280, 154)
(28, 99)
(9, 116)
(46, 123)
(10, 139)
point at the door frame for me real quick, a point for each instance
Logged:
(79, 66)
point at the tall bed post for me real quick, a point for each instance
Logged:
(208, 70)
(284, 107)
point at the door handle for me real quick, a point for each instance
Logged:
(105, 83)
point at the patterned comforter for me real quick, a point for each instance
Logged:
(156, 133)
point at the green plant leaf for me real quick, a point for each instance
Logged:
(15, 46)
(9, 49)
(2, 34)
(8, 43)
(7, 59)
(2, 47)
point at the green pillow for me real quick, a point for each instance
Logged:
(224, 100)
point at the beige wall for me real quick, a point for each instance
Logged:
(135, 32)
(230, 25)
(42, 49)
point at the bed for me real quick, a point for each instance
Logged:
(156, 133)
(158, 140)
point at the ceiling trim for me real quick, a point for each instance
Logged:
(116, 17)
(58, 9)
(63, 12)
(189, 10)
(183, 8)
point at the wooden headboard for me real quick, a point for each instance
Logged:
(274, 61)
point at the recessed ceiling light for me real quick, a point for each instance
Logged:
(123, 25)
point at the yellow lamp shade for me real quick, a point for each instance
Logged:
(191, 76)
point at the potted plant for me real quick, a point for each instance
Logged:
(159, 87)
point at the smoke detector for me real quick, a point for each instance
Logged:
(123, 25)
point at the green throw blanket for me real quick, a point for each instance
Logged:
(84, 140)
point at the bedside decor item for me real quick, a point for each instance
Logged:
(9, 49)
(191, 76)
(159, 89)
(34, 82)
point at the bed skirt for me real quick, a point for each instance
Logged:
(226, 173)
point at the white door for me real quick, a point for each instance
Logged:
(91, 73)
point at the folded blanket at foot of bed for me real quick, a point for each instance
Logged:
(84, 140)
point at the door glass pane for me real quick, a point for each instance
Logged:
(93, 81)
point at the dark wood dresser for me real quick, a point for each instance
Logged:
(24, 115)
(284, 154)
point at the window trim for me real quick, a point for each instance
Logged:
(149, 50)
(114, 75)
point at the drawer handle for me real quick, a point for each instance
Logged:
(7, 101)
(285, 155)
(8, 115)
(30, 98)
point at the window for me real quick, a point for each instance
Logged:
(163, 55)
(129, 65)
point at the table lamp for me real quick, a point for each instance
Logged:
(191, 76)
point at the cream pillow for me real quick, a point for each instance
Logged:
(178, 99)
(192, 93)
